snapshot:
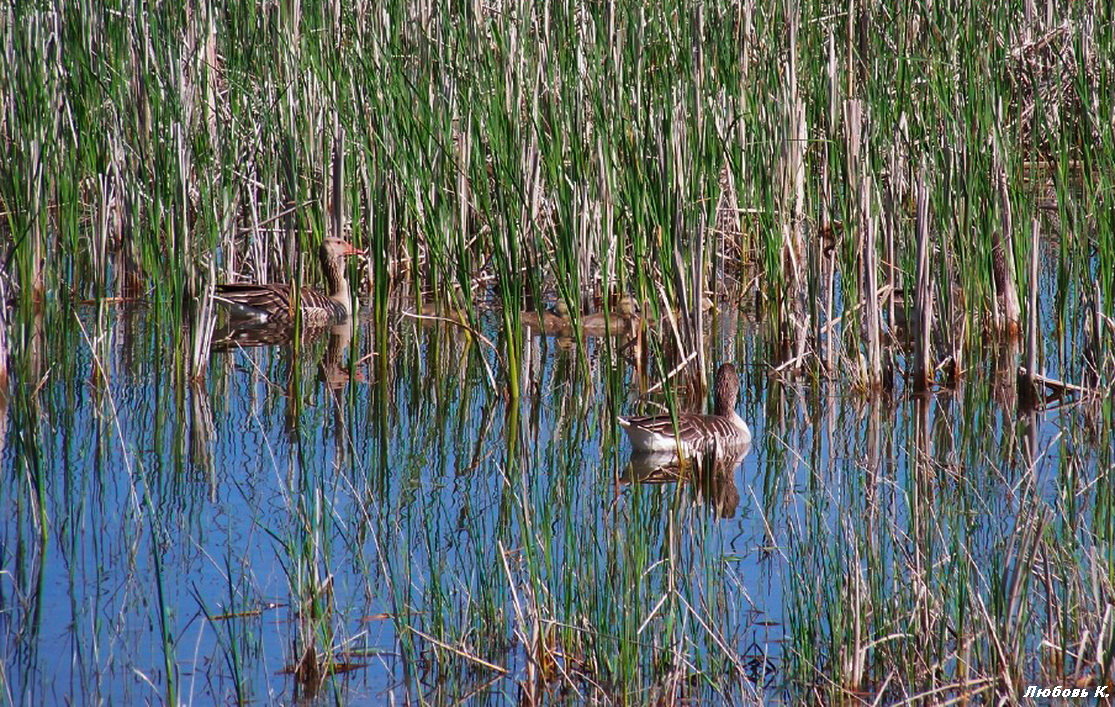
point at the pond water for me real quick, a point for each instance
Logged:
(367, 496)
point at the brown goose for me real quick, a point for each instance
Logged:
(724, 430)
(556, 322)
(274, 303)
(624, 319)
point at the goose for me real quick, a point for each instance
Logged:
(275, 302)
(556, 322)
(622, 320)
(722, 431)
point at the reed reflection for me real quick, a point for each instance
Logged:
(294, 344)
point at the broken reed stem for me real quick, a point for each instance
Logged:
(923, 295)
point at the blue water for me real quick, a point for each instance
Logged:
(216, 530)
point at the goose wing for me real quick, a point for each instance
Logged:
(699, 432)
(275, 302)
(262, 302)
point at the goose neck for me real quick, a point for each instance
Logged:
(335, 281)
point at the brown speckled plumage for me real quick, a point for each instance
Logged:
(695, 433)
(556, 322)
(275, 303)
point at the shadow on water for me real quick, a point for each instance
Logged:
(324, 519)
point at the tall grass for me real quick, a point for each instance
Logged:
(571, 150)
(813, 159)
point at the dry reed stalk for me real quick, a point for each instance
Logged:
(728, 228)
(610, 247)
(922, 504)
(853, 132)
(791, 195)
(1093, 343)
(37, 234)
(861, 185)
(1029, 393)
(923, 295)
(828, 244)
(98, 246)
(696, 314)
(212, 65)
(588, 225)
(898, 183)
(3, 346)
(869, 256)
(337, 213)
(202, 433)
(530, 225)
(892, 280)
(1008, 313)
(797, 167)
(367, 196)
(204, 319)
(687, 340)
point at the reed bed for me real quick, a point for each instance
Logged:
(518, 154)
(888, 200)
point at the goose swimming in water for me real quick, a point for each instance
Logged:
(695, 433)
(275, 303)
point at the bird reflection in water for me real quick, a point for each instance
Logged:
(711, 475)
(333, 369)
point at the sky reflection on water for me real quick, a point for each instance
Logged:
(222, 529)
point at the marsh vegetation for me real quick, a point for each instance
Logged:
(902, 214)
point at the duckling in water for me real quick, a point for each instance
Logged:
(437, 311)
(556, 322)
(624, 319)
(675, 313)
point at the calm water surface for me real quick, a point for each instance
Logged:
(212, 536)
